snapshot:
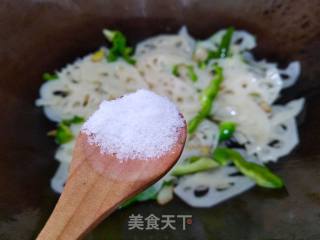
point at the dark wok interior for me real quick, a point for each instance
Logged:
(38, 36)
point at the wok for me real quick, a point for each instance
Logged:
(43, 35)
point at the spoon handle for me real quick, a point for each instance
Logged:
(86, 200)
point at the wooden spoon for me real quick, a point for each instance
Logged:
(98, 183)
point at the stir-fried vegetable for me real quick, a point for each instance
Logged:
(199, 165)
(119, 47)
(260, 174)
(221, 156)
(211, 91)
(63, 133)
(74, 120)
(223, 50)
(175, 70)
(190, 71)
(49, 77)
(226, 130)
(207, 97)
(148, 194)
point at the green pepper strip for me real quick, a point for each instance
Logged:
(119, 47)
(63, 132)
(223, 49)
(49, 77)
(207, 97)
(148, 194)
(202, 164)
(175, 70)
(190, 71)
(260, 174)
(226, 130)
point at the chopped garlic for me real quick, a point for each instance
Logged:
(165, 195)
(97, 56)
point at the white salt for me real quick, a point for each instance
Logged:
(141, 125)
